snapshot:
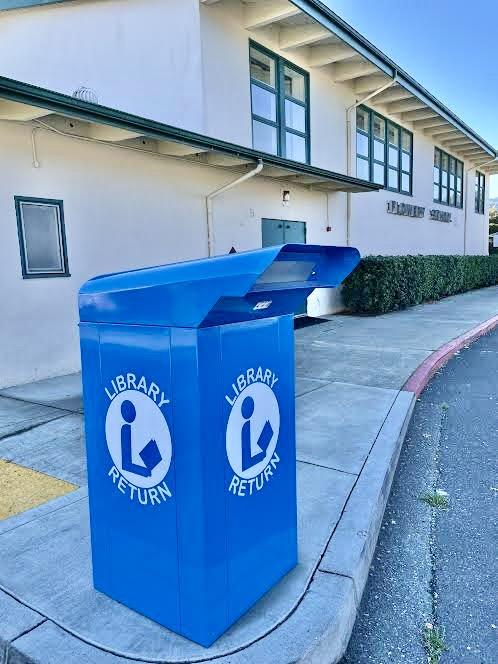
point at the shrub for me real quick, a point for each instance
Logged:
(387, 283)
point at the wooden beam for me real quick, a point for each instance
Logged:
(178, 149)
(367, 84)
(423, 114)
(456, 143)
(431, 122)
(267, 13)
(396, 93)
(218, 159)
(348, 71)
(291, 38)
(319, 56)
(405, 105)
(445, 134)
(470, 151)
(108, 133)
(12, 110)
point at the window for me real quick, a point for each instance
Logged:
(447, 179)
(40, 225)
(384, 151)
(480, 192)
(280, 107)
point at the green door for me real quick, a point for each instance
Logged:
(278, 231)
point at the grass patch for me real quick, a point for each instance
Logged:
(436, 499)
(434, 643)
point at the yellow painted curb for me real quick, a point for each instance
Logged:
(23, 488)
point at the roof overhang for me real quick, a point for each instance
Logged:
(51, 110)
(310, 30)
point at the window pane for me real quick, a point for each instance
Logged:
(459, 168)
(393, 133)
(393, 156)
(262, 67)
(295, 147)
(362, 170)
(451, 199)
(295, 116)
(379, 128)
(444, 161)
(452, 181)
(405, 182)
(436, 192)
(42, 238)
(264, 137)
(393, 179)
(437, 158)
(459, 199)
(406, 141)
(452, 165)
(444, 195)
(379, 150)
(263, 103)
(379, 173)
(436, 174)
(294, 84)
(459, 184)
(405, 161)
(362, 119)
(361, 144)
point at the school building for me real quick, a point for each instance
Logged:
(142, 132)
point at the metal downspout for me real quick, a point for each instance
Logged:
(217, 192)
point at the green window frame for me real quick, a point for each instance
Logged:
(384, 151)
(42, 237)
(447, 179)
(480, 192)
(280, 113)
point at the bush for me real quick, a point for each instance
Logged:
(387, 283)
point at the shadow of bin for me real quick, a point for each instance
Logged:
(188, 385)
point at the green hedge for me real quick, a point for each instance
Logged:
(387, 283)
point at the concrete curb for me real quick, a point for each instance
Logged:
(422, 375)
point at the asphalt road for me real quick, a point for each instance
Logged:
(439, 566)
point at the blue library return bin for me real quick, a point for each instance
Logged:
(188, 385)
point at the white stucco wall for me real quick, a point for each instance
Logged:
(122, 210)
(142, 57)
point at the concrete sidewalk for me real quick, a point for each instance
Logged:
(351, 421)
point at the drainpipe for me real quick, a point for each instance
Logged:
(217, 192)
(471, 168)
(348, 145)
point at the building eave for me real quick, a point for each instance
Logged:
(316, 10)
(51, 102)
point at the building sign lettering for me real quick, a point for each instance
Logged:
(440, 215)
(405, 209)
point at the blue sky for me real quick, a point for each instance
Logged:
(449, 46)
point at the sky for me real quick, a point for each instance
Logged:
(449, 46)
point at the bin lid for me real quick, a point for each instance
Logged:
(213, 291)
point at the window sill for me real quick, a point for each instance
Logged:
(46, 275)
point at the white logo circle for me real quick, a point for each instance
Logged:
(252, 430)
(138, 438)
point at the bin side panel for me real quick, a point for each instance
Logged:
(260, 464)
(199, 467)
(90, 362)
(131, 468)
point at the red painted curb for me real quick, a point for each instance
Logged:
(422, 375)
